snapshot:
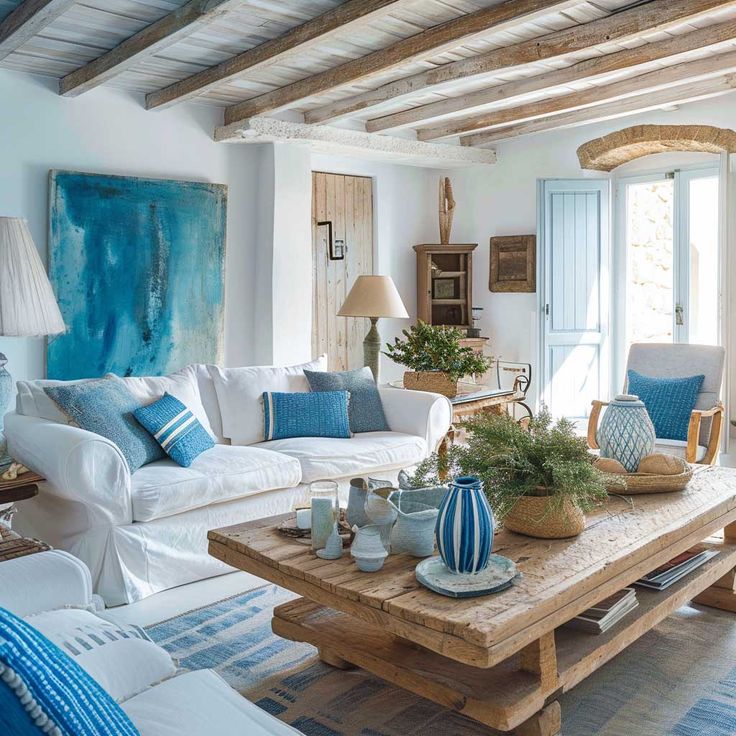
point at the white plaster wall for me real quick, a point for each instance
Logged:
(107, 131)
(502, 200)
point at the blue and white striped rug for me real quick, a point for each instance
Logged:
(678, 680)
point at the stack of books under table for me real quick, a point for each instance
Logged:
(601, 617)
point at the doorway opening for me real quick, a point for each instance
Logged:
(667, 279)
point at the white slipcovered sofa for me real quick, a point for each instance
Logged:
(147, 531)
(198, 703)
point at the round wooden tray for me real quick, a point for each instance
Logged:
(637, 483)
(289, 528)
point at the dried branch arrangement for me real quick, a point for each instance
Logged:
(447, 209)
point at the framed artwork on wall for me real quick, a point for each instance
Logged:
(513, 263)
(138, 269)
(445, 288)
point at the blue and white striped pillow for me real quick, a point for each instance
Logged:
(176, 429)
(43, 691)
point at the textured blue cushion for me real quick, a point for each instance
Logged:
(323, 414)
(106, 407)
(176, 429)
(669, 401)
(366, 409)
(43, 691)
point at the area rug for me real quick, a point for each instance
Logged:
(677, 680)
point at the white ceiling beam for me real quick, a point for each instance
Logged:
(28, 19)
(435, 40)
(325, 138)
(150, 40)
(631, 106)
(588, 70)
(343, 18)
(626, 24)
(693, 71)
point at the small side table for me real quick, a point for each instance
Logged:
(12, 545)
(23, 487)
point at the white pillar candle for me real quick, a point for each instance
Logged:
(323, 519)
(304, 518)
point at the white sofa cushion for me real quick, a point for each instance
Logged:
(33, 401)
(182, 384)
(240, 390)
(208, 395)
(224, 473)
(677, 448)
(200, 703)
(120, 657)
(328, 457)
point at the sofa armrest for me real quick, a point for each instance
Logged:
(78, 466)
(420, 413)
(43, 582)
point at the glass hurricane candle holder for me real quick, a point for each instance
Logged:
(325, 505)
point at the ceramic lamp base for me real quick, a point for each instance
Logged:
(432, 573)
(372, 348)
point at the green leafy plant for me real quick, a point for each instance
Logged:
(547, 459)
(436, 348)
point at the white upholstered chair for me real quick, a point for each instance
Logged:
(678, 360)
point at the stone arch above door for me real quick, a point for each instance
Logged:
(622, 146)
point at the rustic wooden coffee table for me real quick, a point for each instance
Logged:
(500, 659)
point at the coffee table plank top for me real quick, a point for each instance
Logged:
(623, 540)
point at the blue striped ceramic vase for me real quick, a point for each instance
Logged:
(465, 526)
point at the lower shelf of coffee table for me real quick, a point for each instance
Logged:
(503, 696)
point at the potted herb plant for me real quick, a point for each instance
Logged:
(539, 480)
(435, 357)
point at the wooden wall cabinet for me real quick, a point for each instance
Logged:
(445, 284)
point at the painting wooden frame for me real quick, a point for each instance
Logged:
(513, 263)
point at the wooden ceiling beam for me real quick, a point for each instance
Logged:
(625, 24)
(435, 40)
(297, 39)
(150, 40)
(588, 70)
(709, 67)
(621, 108)
(26, 20)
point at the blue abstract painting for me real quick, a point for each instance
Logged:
(138, 268)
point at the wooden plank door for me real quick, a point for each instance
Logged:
(575, 294)
(346, 202)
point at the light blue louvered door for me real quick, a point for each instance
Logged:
(574, 294)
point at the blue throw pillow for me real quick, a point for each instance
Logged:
(106, 407)
(323, 414)
(669, 402)
(43, 691)
(366, 409)
(176, 429)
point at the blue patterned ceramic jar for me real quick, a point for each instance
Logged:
(465, 526)
(626, 433)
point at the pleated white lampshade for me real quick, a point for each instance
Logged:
(28, 306)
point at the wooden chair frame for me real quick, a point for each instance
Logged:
(693, 432)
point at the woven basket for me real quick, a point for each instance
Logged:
(535, 516)
(435, 381)
(652, 483)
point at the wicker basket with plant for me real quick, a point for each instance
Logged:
(540, 481)
(435, 357)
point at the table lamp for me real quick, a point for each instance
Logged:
(373, 297)
(28, 307)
